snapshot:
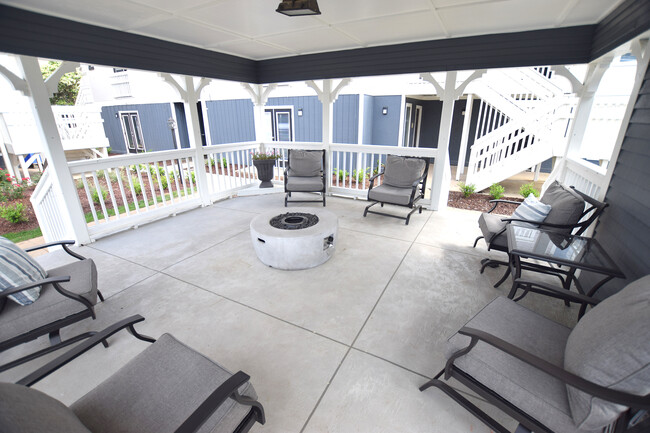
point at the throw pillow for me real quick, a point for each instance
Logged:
(531, 209)
(18, 268)
(567, 205)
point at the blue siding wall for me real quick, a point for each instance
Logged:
(153, 120)
(385, 128)
(307, 127)
(346, 119)
(231, 121)
(368, 102)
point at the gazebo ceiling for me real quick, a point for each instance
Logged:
(253, 30)
(246, 40)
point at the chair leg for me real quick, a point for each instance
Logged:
(505, 276)
(100, 296)
(476, 241)
(323, 199)
(286, 199)
(365, 212)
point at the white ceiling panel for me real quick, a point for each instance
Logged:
(252, 18)
(116, 14)
(314, 40)
(336, 11)
(502, 16)
(396, 29)
(252, 50)
(185, 32)
(451, 3)
(174, 5)
(589, 11)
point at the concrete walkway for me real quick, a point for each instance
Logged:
(339, 348)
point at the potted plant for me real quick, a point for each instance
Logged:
(264, 163)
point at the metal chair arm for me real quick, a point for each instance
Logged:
(541, 223)
(631, 400)
(63, 244)
(81, 348)
(496, 203)
(50, 280)
(216, 399)
(559, 293)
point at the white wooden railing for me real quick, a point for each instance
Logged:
(586, 177)
(126, 191)
(79, 127)
(46, 200)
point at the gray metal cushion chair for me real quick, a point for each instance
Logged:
(571, 212)
(403, 184)
(305, 173)
(551, 378)
(166, 388)
(68, 294)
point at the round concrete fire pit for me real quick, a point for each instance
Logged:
(299, 239)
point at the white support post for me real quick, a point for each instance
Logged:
(586, 93)
(259, 96)
(442, 169)
(462, 153)
(70, 210)
(190, 94)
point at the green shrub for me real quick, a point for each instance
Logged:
(9, 191)
(36, 178)
(497, 191)
(137, 187)
(358, 175)
(527, 189)
(95, 195)
(467, 190)
(224, 162)
(112, 175)
(341, 174)
(191, 175)
(14, 214)
(79, 184)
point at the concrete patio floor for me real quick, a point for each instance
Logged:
(339, 348)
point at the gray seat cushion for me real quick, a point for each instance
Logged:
(304, 184)
(566, 206)
(491, 224)
(390, 194)
(610, 347)
(157, 390)
(402, 172)
(16, 320)
(536, 393)
(305, 163)
(26, 410)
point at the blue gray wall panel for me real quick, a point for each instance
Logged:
(231, 121)
(346, 119)
(153, 120)
(624, 227)
(385, 127)
(368, 103)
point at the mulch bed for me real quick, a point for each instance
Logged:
(481, 202)
(32, 223)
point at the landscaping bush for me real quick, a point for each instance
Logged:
(95, 195)
(497, 191)
(358, 175)
(14, 214)
(467, 190)
(527, 189)
(137, 187)
(341, 174)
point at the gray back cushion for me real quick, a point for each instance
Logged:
(566, 206)
(402, 172)
(610, 347)
(26, 410)
(305, 163)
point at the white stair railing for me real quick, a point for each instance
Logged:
(46, 200)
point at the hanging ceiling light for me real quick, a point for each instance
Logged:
(294, 8)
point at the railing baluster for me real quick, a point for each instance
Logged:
(100, 195)
(89, 197)
(143, 188)
(125, 200)
(109, 185)
(127, 169)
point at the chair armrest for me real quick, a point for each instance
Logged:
(559, 293)
(496, 203)
(50, 280)
(63, 244)
(81, 348)
(372, 179)
(542, 223)
(212, 403)
(638, 402)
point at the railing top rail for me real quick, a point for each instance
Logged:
(585, 168)
(294, 144)
(228, 147)
(77, 167)
(429, 152)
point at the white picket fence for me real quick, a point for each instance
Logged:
(130, 190)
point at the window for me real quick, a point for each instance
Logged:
(132, 131)
(280, 122)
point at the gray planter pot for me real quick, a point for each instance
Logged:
(265, 171)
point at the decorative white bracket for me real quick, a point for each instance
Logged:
(52, 82)
(259, 94)
(326, 95)
(18, 83)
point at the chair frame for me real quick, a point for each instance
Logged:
(594, 210)
(200, 415)
(286, 174)
(414, 198)
(52, 329)
(450, 370)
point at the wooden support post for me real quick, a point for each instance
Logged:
(462, 153)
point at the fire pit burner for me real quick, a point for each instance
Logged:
(294, 221)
